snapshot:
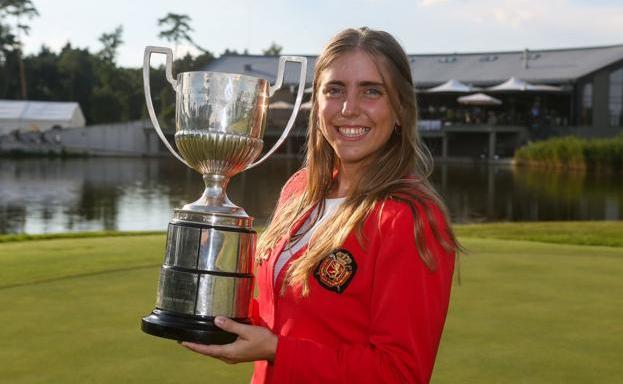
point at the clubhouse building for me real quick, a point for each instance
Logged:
(480, 105)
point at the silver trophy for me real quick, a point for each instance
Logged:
(208, 265)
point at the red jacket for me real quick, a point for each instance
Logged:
(372, 316)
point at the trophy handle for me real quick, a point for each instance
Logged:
(297, 103)
(150, 106)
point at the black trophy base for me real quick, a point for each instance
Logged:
(186, 328)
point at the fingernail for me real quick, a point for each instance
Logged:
(219, 321)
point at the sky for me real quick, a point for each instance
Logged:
(304, 26)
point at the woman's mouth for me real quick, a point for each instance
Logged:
(353, 132)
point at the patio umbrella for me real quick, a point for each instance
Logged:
(479, 99)
(452, 86)
(515, 84)
(281, 105)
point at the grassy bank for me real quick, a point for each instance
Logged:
(525, 311)
(72, 235)
(606, 233)
(574, 153)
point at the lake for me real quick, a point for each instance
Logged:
(40, 195)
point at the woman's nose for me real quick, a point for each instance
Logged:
(350, 106)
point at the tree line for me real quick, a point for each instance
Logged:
(105, 91)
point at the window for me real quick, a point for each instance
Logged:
(447, 59)
(586, 115)
(488, 58)
(615, 98)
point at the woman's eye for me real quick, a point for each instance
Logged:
(373, 92)
(333, 91)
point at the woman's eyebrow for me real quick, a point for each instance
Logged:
(365, 83)
(371, 83)
(335, 82)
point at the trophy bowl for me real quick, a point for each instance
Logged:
(220, 120)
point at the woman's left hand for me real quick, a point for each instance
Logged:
(253, 343)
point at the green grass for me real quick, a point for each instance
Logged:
(607, 233)
(71, 235)
(529, 312)
(71, 311)
(27, 262)
(525, 312)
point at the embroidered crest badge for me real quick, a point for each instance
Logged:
(336, 270)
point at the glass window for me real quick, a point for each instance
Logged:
(615, 98)
(587, 104)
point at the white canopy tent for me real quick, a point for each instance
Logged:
(452, 86)
(515, 84)
(479, 99)
(38, 116)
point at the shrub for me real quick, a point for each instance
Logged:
(574, 153)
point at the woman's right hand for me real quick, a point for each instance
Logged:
(253, 343)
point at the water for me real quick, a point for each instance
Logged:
(61, 195)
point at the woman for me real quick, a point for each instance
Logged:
(355, 268)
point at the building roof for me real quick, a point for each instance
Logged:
(261, 66)
(38, 110)
(545, 66)
(548, 66)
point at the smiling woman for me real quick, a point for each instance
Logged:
(355, 114)
(355, 268)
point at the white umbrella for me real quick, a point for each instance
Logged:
(452, 85)
(515, 84)
(479, 99)
(306, 105)
(281, 105)
(308, 90)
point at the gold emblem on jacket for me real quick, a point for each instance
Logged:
(336, 270)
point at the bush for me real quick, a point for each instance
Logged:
(574, 153)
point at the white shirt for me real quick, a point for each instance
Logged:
(330, 206)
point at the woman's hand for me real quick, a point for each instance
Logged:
(253, 343)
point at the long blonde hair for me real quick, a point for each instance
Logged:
(400, 169)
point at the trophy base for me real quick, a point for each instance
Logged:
(197, 330)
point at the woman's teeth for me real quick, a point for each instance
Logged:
(353, 132)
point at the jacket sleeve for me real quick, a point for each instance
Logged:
(409, 303)
(254, 312)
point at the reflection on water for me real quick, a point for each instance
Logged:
(56, 195)
(501, 193)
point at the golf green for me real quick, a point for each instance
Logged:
(524, 312)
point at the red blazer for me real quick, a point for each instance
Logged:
(373, 315)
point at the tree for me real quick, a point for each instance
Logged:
(230, 52)
(8, 46)
(189, 63)
(42, 71)
(79, 78)
(273, 50)
(8, 42)
(178, 28)
(18, 9)
(111, 43)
